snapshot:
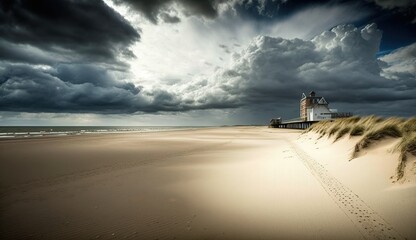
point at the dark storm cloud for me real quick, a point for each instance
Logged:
(390, 4)
(209, 8)
(75, 88)
(69, 88)
(397, 19)
(88, 29)
(89, 74)
(258, 8)
(22, 53)
(81, 43)
(153, 8)
(266, 10)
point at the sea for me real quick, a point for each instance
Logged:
(42, 131)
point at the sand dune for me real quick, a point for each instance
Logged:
(222, 183)
(370, 176)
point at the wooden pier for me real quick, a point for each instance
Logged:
(294, 124)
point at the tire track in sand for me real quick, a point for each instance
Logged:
(370, 224)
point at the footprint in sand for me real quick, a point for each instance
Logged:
(371, 225)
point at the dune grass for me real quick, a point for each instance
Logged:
(383, 131)
(370, 130)
(342, 132)
(333, 130)
(409, 125)
(406, 146)
(357, 130)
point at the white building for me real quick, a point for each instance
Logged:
(313, 108)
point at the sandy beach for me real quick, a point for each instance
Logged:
(215, 183)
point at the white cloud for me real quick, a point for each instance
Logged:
(401, 64)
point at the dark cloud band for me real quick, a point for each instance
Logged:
(88, 29)
(154, 8)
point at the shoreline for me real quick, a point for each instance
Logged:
(42, 134)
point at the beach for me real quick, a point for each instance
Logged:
(211, 183)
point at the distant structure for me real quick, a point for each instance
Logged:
(314, 108)
(274, 122)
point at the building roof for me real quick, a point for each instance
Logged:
(311, 96)
(321, 102)
(316, 99)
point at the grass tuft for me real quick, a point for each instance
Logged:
(409, 125)
(342, 132)
(406, 146)
(388, 130)
(357, 130)
(373, 129)
(333, 130)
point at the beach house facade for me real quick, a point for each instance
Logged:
(314, 108)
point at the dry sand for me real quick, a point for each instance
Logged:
(220, 183)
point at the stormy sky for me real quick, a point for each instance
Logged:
(206, 62)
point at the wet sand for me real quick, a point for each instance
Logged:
(219, 183)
